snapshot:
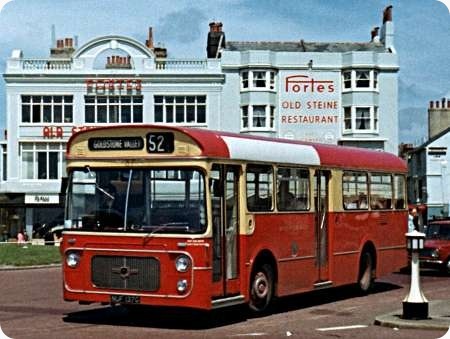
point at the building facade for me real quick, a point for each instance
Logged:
(339, 93)
(428, 164)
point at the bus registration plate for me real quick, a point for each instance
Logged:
(125, 299)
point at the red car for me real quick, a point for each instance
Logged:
(436, 251)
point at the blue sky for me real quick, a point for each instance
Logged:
(422, 33)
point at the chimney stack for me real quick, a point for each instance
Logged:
(374, 34)
(216, 40)
(64, 48)
(149, 41)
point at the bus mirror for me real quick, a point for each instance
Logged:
(64, 184)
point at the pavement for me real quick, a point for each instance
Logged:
(438, 318)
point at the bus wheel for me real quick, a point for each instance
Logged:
(261, 288)
(447, 266)
(366, 267)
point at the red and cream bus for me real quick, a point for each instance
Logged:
(172, 216)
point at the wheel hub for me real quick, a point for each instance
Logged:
(260, 286)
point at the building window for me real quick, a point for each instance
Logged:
(258, 80)
(43, 161)
(244, 79)
(347, 79)
(360, 80)
(182, 109)
(39, 109)
(360, 119)
(258, 117)
(4, 163)
(113, 109)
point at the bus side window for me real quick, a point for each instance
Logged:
(293, 189)
(355, 190)
(259, 188)
(381, 191)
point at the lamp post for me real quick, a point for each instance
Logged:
(415, 305)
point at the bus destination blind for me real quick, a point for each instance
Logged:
(115, 143)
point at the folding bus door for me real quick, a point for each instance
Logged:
(225, 212)
(321, 195)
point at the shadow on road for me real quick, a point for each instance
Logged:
(188, 319)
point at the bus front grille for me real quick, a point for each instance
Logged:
(122, 272)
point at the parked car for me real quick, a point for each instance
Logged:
(436, 251)
(49, 230)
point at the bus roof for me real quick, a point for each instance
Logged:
(220, 144)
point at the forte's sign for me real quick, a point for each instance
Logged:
(309, 106)
(112, 85)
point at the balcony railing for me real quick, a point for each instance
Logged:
(64, 65)
(181, 64)
(46, 64)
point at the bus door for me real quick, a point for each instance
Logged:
(224, 186)
(321, 195)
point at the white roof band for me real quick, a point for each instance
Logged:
(262, 150)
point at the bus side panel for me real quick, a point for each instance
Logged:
(352, 230)
(290, 237)
(391, 241)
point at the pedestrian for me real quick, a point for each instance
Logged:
(413, 219)
(21, 238)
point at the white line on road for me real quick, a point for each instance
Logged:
(351, 327)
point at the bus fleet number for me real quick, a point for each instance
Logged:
(160, 143)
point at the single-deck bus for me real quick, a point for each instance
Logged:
(185, 217)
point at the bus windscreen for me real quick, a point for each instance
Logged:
(162, 200)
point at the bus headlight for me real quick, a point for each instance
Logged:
(182, 286)
(72, 259)
(182, 263)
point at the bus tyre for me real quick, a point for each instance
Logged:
(261, 288)
(366, 267)
(447, 266)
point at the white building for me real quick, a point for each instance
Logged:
(429, 165)
(340, 93)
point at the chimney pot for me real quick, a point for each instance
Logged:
(443, 102)
(437, 104)
(448, 103)
(387, 14)
(431, 104)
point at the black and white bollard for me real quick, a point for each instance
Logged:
(415, 305)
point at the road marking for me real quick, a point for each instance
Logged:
(249, 334)
(338, 328)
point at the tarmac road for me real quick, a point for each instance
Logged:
(31, 306)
